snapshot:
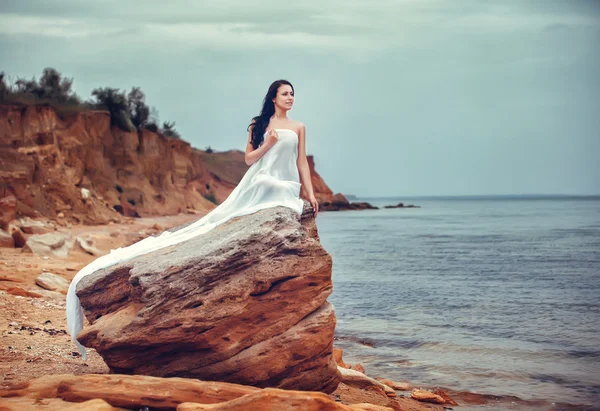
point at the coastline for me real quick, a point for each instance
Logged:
(35, 341)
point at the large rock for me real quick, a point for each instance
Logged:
(52, 244)
(52, 282)
(244, 303)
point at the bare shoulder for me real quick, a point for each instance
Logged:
(300, 127)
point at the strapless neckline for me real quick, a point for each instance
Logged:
(288, 129)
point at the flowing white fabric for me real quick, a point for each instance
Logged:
(271, 181)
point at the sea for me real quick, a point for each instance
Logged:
(493, 294)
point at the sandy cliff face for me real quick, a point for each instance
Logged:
(91, 172)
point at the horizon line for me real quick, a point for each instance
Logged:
(472, 195)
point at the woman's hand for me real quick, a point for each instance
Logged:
(315, 204)
(272, 137)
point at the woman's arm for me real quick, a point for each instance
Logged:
(304, 170)
(253, 155)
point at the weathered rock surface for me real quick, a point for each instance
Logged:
(244, 303)
(8, 205)
(105, 392)
(30, 226)
(272, 399)
(6, 240)
(56, 244)
(33, 404)
(127, 391)
(400, 386)
(52, 282)
(427, 396)
(86, 243)
(357, 378)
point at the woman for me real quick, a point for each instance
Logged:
(276, 154)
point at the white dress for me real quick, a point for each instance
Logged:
(271, 181)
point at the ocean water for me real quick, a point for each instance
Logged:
(497, 295)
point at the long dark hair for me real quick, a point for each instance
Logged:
(268, 109)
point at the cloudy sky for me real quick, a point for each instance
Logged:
(419, 97)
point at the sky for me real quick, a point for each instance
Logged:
(399, 98)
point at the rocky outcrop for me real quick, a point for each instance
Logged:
(339, 203)
(80, 168)
(244, 303)
(322, 192)
(401, 205)
(102, 392)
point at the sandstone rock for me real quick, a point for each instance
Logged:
(358, 367)
(18, 291)
(30, 226)
(427, 396)
(87, 245)
(322, 192)
(6, 240)
(32, 404)
(244, 303)
(103, 392)
(127, 391)
(19, 237)
(339, 198)
(55, 244)
(356, 378)
(51, 295)
(8, 206)
(370, 407)
(52, 282)
(445, 396)
(271, 399)
(400, 386)
(337, 356)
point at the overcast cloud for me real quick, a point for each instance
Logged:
(398, 97)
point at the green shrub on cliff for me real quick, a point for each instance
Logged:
(52, 88)
(168, 130)
(127, 111)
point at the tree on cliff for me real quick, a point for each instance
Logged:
(138, 110)
(117, 104)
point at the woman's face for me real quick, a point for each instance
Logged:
(285, 97)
